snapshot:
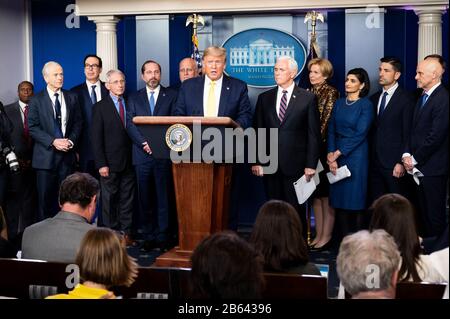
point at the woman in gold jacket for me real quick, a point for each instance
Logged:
(321, 70)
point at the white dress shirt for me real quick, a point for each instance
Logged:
(289, 90)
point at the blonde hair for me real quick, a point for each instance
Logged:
(103, 259)
(215, 51)
(325, 66)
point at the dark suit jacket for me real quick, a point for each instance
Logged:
(234, 101)
(299, 133)
(429, 134)
(110, 142)
(138, 105)
(390, 133)
(22, 149)
(41, 125)
(84, 97)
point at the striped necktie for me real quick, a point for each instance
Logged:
(283, 106)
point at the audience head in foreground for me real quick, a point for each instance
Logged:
(103, 262)
(277, 236)
(395, 214)
(225, 266)
(58, 238)
(367, 265)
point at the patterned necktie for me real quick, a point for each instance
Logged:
(382, 104)
(121, 111)
(58, 130)
(211, 105)
(26, 130)
(152, 102)
(93, 95)
(424, 100)
(283, 106)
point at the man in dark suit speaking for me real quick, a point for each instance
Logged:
(427, 150)
(215, 94)
(293, 111)
(55, 124)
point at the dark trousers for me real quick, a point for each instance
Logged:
(21, 201)
(382, 182)
(279, 186)
(117, 194)
(48, 181)
(432, 193)
(154, 215)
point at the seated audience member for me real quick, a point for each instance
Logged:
(277, 236)
(395, 214)
(58, 238)
(225, 266)
(103, 262)
(6, 248)
(367, 265)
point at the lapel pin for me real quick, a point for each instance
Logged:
(293, 96)
(228, 88)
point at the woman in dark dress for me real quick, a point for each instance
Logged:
(347, 145)
(320, 71)
(277, 236)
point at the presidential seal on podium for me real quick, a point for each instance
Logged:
(178, 137)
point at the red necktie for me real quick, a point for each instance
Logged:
(121, 111)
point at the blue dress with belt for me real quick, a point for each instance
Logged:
(348, 129)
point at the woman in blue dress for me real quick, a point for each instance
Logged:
(347, 145)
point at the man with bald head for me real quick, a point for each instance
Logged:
(427, 150)
(187, 69)
(54, 122)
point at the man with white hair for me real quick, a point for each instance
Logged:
(427, 150)
(54, 123)
(111, 146)
(368, 264)
(293, 111)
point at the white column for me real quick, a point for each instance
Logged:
(106, 41)
(430, 30)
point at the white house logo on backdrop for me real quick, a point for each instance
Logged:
(252, 54)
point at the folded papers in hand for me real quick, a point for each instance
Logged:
(341, 173)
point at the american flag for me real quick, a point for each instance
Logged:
(195, 54)
(314, 52)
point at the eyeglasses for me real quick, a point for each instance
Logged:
(91, 66)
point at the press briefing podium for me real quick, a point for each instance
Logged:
(201, 189)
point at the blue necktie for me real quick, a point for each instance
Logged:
(58, 130)
(424, 100)
(93, 95)
(152, 102)
(382, 104)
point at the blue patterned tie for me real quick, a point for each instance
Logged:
(382, 104)
(424, 100)
(152, 102)
(93, 95)
(283, 106)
